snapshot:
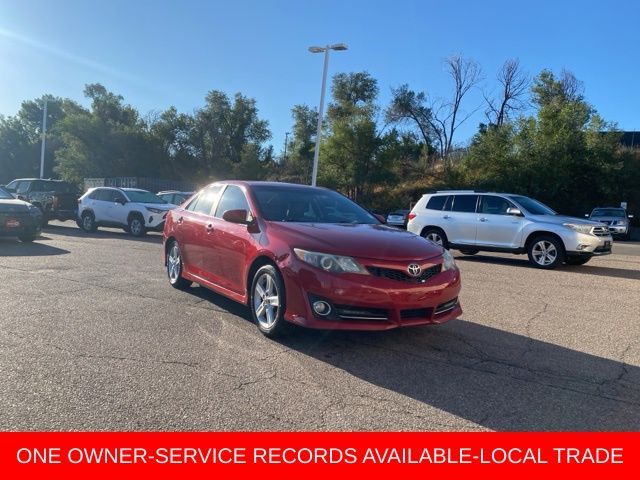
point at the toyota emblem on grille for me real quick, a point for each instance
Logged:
(414, 270)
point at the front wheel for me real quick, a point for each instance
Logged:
(136, 226)
(545, 252)
(174, 267)
(88, 222)
(577, 260)
(267, 301)
(27, 238)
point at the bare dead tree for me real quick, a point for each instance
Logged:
(447, 116)
(514, 84)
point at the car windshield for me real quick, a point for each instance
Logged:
(308, 205)
(143, 197)
(532, 206)
(608, 212)
(4, 195)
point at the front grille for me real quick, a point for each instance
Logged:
(606, 222)
(348, 312)
(416, 313)
(403, 276)
(600, 231)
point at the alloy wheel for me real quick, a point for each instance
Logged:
(434, 237)
(266, 301)
(544, 253)
(173, 264)
(136, 226)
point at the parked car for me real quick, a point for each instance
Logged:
(133, 209)
(307, 256)
(398, 218)
(503, 222)
(18, 218)
(617, 220)
(56, 199)
(175, 197)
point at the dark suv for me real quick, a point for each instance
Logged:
(56, 199)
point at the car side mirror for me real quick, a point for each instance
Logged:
(630, 216)
(237, 216)
(514, 211)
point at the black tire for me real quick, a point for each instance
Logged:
(577, 260)
(469, 252)
(273, 324)
(174, 267)
(88, 222)
(135, 225)
(545, 252)
(27, 238)
(436, 235)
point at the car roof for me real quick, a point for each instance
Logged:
(472, 192)
(32, 179)
(133, 190)
(255, 183)
(608, 208)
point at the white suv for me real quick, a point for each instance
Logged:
(135, 210)
(472, 221)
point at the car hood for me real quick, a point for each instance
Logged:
(607, 219)
(13, 206)
(560, 219)
(364, 241)
(159, 206)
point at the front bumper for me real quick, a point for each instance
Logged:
(369, 302)
(155, 221)
(581, 244)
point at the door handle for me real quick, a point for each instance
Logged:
(180, 219)
(446, 217)
(483, 219)
(209, 227)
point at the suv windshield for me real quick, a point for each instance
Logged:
(143, 197)
(608, 212)
(532, 206)
(309, 205)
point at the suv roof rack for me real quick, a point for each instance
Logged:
(461, 191)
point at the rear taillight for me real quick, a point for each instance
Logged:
(411, 216)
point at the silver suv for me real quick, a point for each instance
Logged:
(472, 221)
(616, 219)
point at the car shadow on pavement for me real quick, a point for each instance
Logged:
(15, 248)
(583, 269)
(73, 231)
(496, 379)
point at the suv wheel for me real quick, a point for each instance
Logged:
(436, 235)
(267, 301)
(174, 267)
(545, 252)
(136, 225)
(88, 222)
(27, 238)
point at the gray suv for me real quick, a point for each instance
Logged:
(472, 221)
(616, 219)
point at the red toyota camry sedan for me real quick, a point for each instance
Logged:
(308, 256)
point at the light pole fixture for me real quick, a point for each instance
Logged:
(337, 47)
(44, 141)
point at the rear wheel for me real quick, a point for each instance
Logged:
(577, 260)
(545, 252)
(267, 301)
(436, 235)
(88, 222)
(174, 267)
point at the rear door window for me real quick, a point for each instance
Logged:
(437, 202)
(23, 187)
(464, 203)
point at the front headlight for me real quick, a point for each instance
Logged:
(448, 262)
(330, 263)
(578, 228)
(154, 210)
(621, 222)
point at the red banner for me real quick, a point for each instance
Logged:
(313, 455)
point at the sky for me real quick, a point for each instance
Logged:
(164, 52)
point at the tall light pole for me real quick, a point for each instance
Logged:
(316, 153)
(286, 140)
(44, 135)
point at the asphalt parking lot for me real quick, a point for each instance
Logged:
(92, 337)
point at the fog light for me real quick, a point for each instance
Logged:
(321, 308)
(581, 247)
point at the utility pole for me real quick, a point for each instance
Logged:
(44, 138)
(286, 138)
